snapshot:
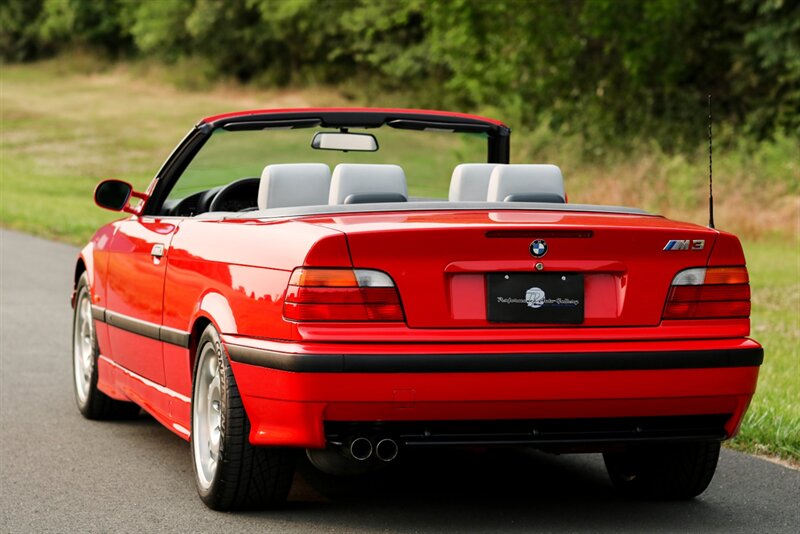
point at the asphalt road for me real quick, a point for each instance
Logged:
(60, 472)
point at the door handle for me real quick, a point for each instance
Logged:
(157, 251)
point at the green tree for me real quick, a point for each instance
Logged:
(607, 69)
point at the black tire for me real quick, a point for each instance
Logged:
(669, 472)
(96, 404)
(244, 476)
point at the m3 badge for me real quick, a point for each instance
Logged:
(685, 244)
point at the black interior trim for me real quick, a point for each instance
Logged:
(421, 125)
(266, 125)
(243, 190)
(359, 118)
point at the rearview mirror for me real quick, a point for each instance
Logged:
(114, 195)
(344, 141)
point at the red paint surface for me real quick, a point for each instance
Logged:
(292, 410)
(353, 110)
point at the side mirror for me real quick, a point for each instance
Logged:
(114, 195)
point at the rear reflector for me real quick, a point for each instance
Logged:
(341, 295)
(709, 293)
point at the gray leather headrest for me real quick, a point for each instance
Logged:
(366, 179)
(510, 183)
(294, 184)
(470, 181)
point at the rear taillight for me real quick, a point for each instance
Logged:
(709, 293)
(341, 295)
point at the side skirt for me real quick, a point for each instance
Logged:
(159, 401)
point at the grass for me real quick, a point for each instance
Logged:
(772, 425)
(63, 131)
(67, 125)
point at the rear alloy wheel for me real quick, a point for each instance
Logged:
(230, 473)
(92, 403)
(676, 471)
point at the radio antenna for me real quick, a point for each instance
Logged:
(710, 174)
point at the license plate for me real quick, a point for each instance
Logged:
(535, 298)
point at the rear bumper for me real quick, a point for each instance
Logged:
(301, 394)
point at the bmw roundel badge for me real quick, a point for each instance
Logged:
(538, 248)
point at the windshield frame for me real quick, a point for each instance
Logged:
(498, 135)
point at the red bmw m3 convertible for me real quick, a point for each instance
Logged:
(276, 291)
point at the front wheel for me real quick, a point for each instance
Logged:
(92, 403)
(677, 471)
(230, 473)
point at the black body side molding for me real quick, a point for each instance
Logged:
(487, 363)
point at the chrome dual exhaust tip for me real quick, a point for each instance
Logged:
(386, 450)
(361, 449)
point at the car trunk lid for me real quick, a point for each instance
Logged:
(449, 265)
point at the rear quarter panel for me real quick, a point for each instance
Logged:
(727, 251)
(247, 264)
(235, 274)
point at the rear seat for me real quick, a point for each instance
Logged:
(359, 183)
(526, 183)
(294, 184)
(470, 182)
